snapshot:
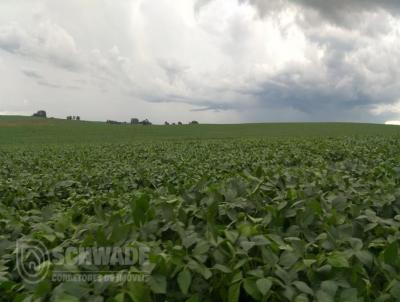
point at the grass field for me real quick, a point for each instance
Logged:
(17, 130)
(218, 213)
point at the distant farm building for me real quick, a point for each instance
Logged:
(134, 121)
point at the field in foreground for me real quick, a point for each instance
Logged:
(244, 219)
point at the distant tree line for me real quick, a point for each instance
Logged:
(73, 118)
(166, 123)
(115, 122)
(146, 122)
(134, 121)
(40, 113)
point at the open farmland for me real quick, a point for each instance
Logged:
(34, 131)
(262, 212)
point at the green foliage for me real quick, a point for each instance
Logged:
(313, 219)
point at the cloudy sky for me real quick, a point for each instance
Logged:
(216, 61)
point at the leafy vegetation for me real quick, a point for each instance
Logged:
(283, 219)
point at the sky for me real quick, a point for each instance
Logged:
(215, 61)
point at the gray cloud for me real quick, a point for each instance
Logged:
(72, 87)
(266, 7)
(10, 38)
(344, 90)
(199, 4)
(354, 71)
(213, 107)
(47, 42)
(32, 74)
(345, 13)
(211, 60)
(47, 84)
(40, 80)
(172, 69)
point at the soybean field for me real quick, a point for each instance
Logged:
(262, 212)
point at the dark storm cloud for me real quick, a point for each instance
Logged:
(344, 12)
(339, 12)
(343, 92)
(318, 103)
(355, 73)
